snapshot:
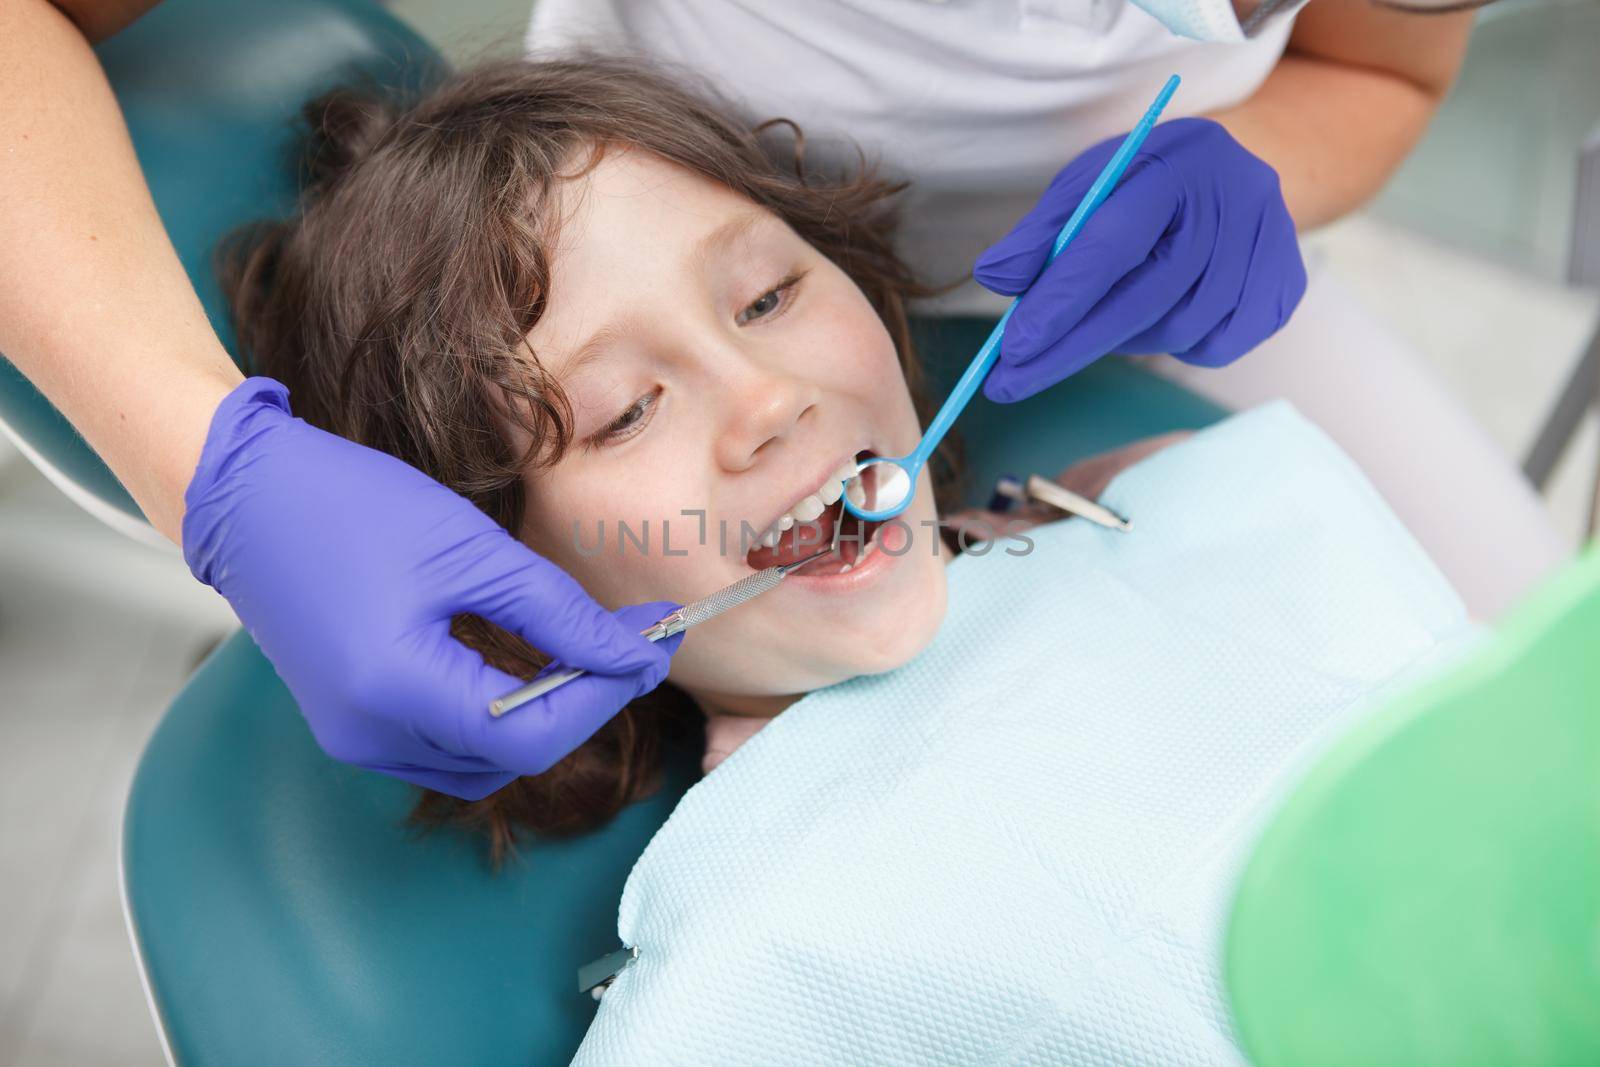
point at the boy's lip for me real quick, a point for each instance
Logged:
(889, 542)
(820, 475)
(863, 573)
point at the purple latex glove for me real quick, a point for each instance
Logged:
(1193, 254)
(346, 565)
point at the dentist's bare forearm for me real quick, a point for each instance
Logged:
(1348, 102)
(95, 308)
(1333, 134)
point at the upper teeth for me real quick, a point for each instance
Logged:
(811, 505)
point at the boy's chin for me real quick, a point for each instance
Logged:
(789, 682)
(897, 645)
(777, 674)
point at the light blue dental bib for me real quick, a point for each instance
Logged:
(1020, 847)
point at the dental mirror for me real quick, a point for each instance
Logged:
(884, 486)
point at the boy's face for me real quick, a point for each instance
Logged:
(718, 363)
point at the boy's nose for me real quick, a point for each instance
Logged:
(763, 406)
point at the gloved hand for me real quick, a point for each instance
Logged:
(346, 565)
(1193, 254)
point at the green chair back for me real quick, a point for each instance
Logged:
(1430, 895)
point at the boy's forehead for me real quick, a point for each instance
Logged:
(635, 203)
(633, 225)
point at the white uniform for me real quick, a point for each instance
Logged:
(980, 102)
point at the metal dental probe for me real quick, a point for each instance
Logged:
(747, 588)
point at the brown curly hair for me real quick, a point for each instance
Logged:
(396, 300)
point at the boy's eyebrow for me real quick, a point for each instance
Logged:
(724, 235)
(591, 348)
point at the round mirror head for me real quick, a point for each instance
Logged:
(881, 489)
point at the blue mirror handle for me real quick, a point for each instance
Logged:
(981, 364)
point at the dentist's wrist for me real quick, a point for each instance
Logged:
(242, 422)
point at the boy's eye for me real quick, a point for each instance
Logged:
(629, 422)
(768, 305)
(771, 301)
(764, 305)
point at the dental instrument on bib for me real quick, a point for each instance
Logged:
(892, 483)
(1062, 499)
(747, 588)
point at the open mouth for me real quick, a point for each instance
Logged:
(809, 526)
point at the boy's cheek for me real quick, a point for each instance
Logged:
(850, 339)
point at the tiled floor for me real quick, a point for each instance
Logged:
(97, 634)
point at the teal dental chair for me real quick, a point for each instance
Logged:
(282, 911)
